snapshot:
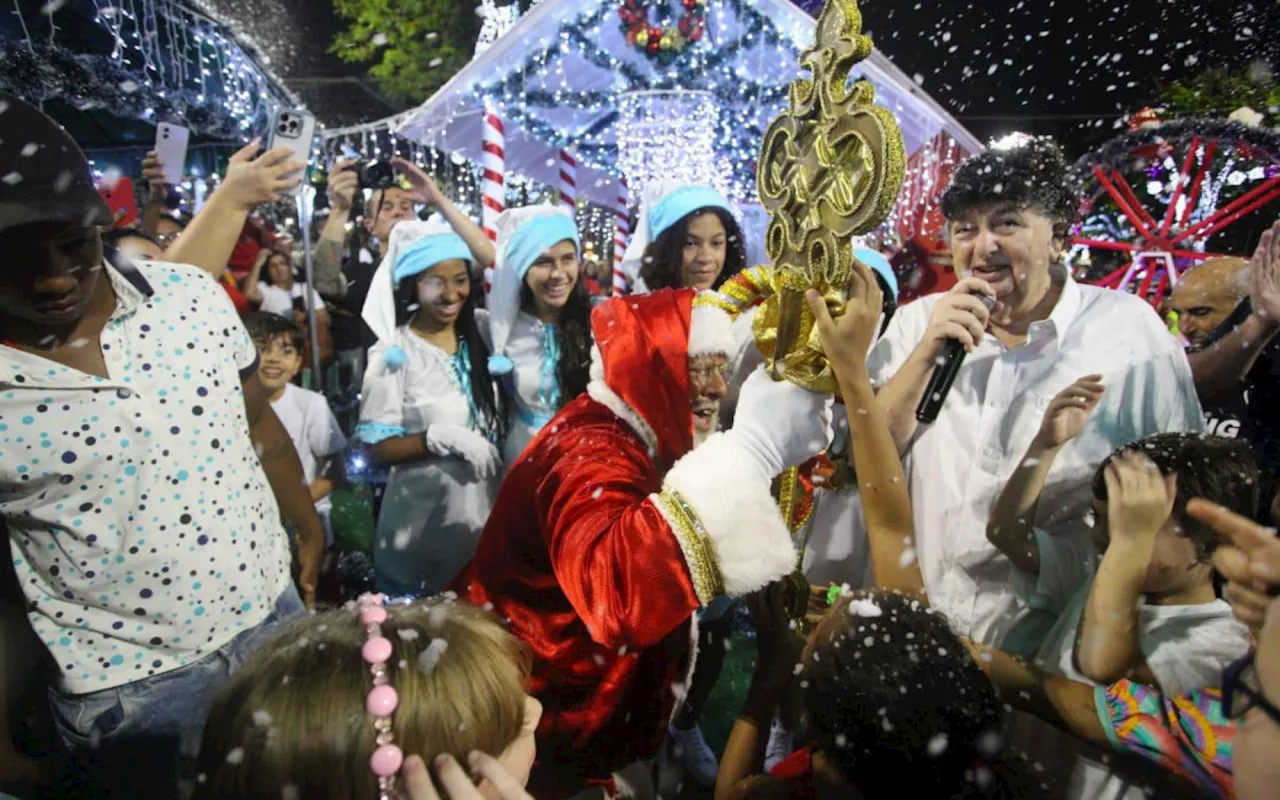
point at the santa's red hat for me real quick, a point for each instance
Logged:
(640, 363)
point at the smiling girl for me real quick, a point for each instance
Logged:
(687, 237)
(429, 408)
(539, 318)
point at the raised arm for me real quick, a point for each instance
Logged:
(1011, 527)
(252, 291)
(778, 651)
(1060, 701)
(157, 193)
(1108, 641)
(1220, 367)
(426, 191)
(958, 315)
(886, 502)
(326, 255)
(251, 180)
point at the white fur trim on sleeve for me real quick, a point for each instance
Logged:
(729, 526)
(711, 332)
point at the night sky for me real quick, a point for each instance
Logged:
(1066, 67)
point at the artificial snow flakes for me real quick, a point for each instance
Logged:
(430, 657)
(261, 718)
(407, 634)
(864, 607)
(937, 745)
(12, 179)
(235, 755)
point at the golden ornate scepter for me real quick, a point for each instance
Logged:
(830, 168)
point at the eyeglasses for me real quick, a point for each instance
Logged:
(1241, 691)
(703, 374)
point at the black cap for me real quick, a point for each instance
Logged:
(44, 176)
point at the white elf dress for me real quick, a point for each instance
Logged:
(533, 384)
(434, 509)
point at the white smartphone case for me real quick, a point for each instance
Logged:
(295, 129)
(171, 148)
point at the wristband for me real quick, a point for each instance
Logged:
(833, 594)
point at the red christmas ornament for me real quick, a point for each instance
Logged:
(1144, 118)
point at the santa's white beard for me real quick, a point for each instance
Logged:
(701, 436)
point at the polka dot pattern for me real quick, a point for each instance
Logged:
(140, 544)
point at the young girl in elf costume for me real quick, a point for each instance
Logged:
(539, 318)
(429, 409)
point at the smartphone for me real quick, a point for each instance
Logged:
(121, 200)
(171, 149)
(295, 129)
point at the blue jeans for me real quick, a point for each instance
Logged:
(129, 741)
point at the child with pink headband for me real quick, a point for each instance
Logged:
(352, 703)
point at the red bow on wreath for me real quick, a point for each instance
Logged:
(663, 42)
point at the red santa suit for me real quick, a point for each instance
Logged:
(610, 531)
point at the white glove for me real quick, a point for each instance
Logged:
(455, 440)
(780, 425)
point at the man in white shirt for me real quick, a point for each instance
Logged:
(1008, 214)
(142, 475)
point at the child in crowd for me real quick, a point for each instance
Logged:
(304, 414)
(1151, 612)
(333, 706)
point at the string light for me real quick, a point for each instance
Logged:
(668, 135)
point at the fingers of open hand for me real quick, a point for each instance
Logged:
(1248, 604)
(247, 152)
(457, 784)
(1241, 532)
(491, 769)
(416, 780)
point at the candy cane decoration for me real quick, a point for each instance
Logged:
(569, 180)
(493, 192)
(621, 236)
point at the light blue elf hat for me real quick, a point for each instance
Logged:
(414, 248)
(877, 261)
(664, 204)
(524, 234)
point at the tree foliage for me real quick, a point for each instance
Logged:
(1217, 92)
(414, 46)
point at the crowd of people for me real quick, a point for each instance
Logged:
(1062, 586)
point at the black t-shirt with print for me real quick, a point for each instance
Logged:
(1252, 410)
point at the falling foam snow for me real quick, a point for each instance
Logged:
(431, 656)
(864, 607)
(937, 745)
(235, 755)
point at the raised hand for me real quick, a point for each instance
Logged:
(846, 339)
(959, 315)
(252, 180)
(1069, 411)
(1139, 498)
(343, 182)
(153, 174)
(1249, 559)
(424, 189)
(457, 785)
(1264, 276)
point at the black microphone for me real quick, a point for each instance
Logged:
(935, 394)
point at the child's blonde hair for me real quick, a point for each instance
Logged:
(292, 721)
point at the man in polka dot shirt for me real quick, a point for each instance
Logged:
(142, 474)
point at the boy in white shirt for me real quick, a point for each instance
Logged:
(1150, 614)
(305, 414)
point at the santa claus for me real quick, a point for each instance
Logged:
(625, 515)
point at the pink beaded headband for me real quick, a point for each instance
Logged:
(382, 700)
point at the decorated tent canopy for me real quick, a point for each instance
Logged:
(568, 74)
(110, 71)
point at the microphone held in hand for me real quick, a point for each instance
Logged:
(935, 394)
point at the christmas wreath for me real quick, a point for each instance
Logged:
(663, 42)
